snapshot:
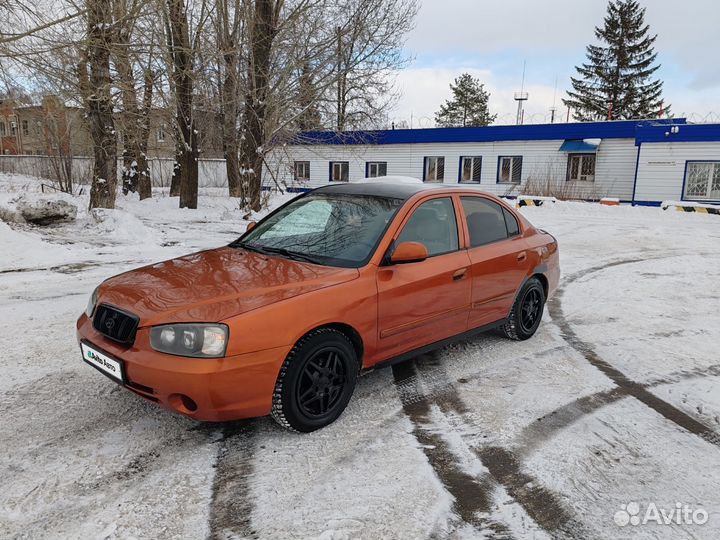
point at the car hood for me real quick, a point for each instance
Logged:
(214, 285)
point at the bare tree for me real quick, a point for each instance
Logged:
(182, 54)
(229, 24)
(308, 100)
(135, 116)
(263, 30)
(368, 51)
(95, 86)
(262, 70)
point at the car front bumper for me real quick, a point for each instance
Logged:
(215, 390)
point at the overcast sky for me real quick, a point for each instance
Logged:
(492, 38)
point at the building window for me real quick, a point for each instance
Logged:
(302, 170)
(2, 129)
(161, 133)
(373, 169)
(470, 169)
(509, 169)
(434, 169)
(339, 171)
(702, 180)
(581, 167)
(13, 128)
(25, 128)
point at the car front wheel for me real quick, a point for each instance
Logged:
(316, 381)
(526, 312)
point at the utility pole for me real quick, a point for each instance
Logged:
(521, 97)
(553, 108)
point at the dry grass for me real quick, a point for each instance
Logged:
(550, 181)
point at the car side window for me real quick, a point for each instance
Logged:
(487, 221)
(433, 224)
(511, 223)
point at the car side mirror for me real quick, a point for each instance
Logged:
(408, 252)
(250, 226)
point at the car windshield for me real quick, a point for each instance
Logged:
(324, 228)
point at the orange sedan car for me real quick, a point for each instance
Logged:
(342, 278)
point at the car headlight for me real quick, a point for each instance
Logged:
(194, 340)
(92, 301)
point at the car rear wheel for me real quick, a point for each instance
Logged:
(316, 381)
(526, 312)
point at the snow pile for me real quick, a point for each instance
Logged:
(46, 211)
(122, 226)
(37, 208)
(25, 251)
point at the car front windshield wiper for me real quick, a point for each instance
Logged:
(249, 247)
(291, 254)
(268, 250)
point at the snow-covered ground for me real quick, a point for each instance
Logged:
(610, 411)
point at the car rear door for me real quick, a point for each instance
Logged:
(498, 258)
(423, 302)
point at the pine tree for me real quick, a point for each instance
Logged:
(616, 82)
(309, 117)
(468, 106)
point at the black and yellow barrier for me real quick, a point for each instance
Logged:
(698, 209)
(529, 202)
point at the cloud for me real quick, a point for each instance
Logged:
(491, 38)
(425, 89)
(491, 25)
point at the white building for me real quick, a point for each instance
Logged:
(644, 162)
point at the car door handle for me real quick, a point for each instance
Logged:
(457, 276)
(522, 256)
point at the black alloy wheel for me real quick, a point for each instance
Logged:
(527, 310)
(530, 309)
(321, 383)
(316, 381)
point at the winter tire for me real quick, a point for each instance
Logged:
(316, 381)
(526, 312)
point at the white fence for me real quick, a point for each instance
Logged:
(212, 172)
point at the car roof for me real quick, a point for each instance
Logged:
(391, 189)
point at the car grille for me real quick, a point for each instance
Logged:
(116, 324)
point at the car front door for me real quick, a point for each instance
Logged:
(498, 256)
(426, 301)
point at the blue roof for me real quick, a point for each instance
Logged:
(578, 145)
(684, 133)
(619, 129)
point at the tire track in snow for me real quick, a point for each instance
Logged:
(685, 374)
(473, 496)
(630, 387)
(545, 427)
(548, 425)
(231, 505)
(542, 505)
